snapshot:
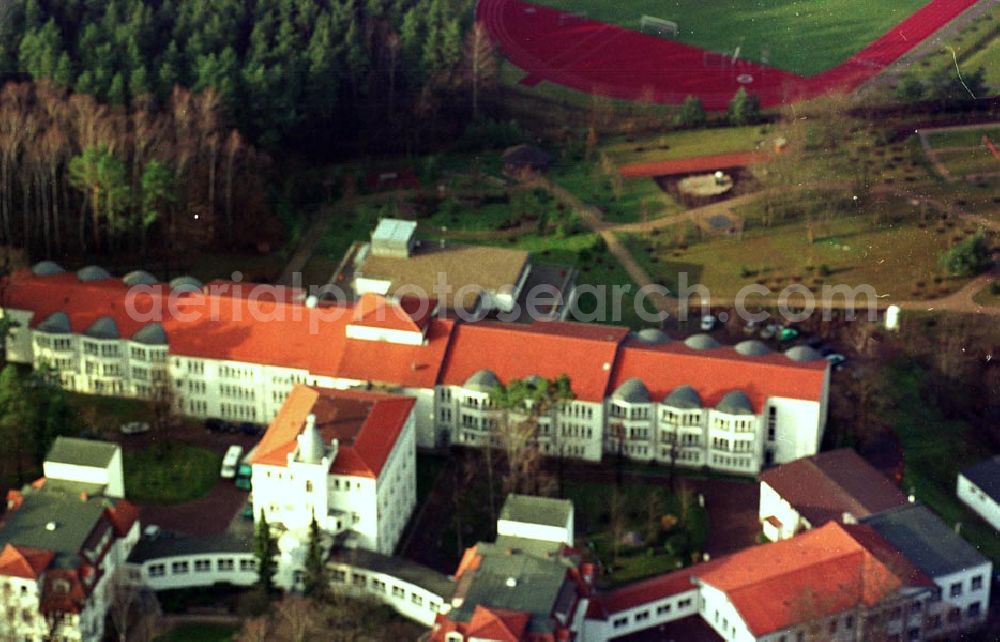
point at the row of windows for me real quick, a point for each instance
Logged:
(642, 616)
(237, 411)
(976, 583)
(688, 456)
(732, 462)
(61, 344)
(236, 392)
(733, 425)
(231, 372)
(106, 350)
(222, 565)
(580, 431)
(734, 445)
(682, 418)
(360, 580)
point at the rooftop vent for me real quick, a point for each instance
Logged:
(511, 582)
(51, 526)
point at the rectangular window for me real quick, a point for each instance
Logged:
(642, 617)
(397, 591)
(179, 568)
(973, 610)
(202, 566)
(956, 590)
(663, 609)
(359, 580)
(620, 622)
(977, 582)
(157, 570)
(248, 565)
(416, 599)
(338, 576)
(225, 564)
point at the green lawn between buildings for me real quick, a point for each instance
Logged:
(170, 473)
(800, 36)
(964, 137)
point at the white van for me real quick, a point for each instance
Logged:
(231, 461)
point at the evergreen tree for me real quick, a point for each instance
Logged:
(744, 108)
(692, 114)
(317, 581)
(265, 549)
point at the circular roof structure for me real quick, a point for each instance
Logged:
(46, 268)
(482, 381)
(55, 322)
(701, 341)
(104, 328)
(139, 277)
(92, 273)
(752, 348)
(631, 391)
(735, 402)
(151, 334)
(652, 336)
(186, 284)
(684, 397)
(802, 353)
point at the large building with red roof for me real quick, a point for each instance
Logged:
(344, 457)
(836, 582)
(234, 351)
(63, 541)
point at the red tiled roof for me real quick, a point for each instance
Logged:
(698, 165)
(825, 486)
(123, 515)
(818, 573)
(409, 314)
(502, 625)
(413, 366)
(366, 425)
(716, 371)
(586, 353)
(22, 561)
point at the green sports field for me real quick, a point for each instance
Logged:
(802, 36)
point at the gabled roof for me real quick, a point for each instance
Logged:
(821, 572)
(82, 452)
(986, 475)
(586, 353)
(825, 486)
(502, 625)
(925, 540)
(409, 314)
(366, 425)
(23, 561)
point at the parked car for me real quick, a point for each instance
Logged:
(254, 430)
(708, 322)
(247, 512)
(770, 331)
(151, 531)
(230, 461)
(134, 428)
(788, 334)
(836, 360)
(751, 327)
(214, 425)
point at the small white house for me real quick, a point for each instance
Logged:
(538, 518)
(86, 461)
(979, 488)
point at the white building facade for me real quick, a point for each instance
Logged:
(979, 488)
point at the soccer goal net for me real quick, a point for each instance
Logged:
(658, 27)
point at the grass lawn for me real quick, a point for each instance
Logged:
(894, 257)
(635, 200)
(975, 160)
(963, 137)
(170, 474)
(200, 633)
(592, 505)
(935, 449)
(798, 36)
(976, 45)
(687, 143)
(104, 415)
(348, 227)
(989, 296)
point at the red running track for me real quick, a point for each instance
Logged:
(599, 58)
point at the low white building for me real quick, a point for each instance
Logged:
(186, 562)
(979, 488)
(837, 485)
(85, 461)
(537, 518)
(344, 457)
(962, 575)
(62, 543)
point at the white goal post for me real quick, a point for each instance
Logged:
(658, 27)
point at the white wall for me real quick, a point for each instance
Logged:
(409, 600)
(771, 503)
(112, 476)
(720, 614)
(644, 616)
(968, 595)
(160, 573)
(535, 531)
(798, 430)
(981, 503)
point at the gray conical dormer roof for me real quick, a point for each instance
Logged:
(631, 391)
(701, 341)
(186, 284)
(802, 353)
(482, 381)
(139, 277)
(652, 336)
(92, 273)
(151, 334)
(104, 328)
(683, 397)
(752, 348)
(735, 402)
(311, 449)
(46, 268)
(534, 381)
(55, 322)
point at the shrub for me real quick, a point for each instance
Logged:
(968, 257)
(744, 108)
(995, 288)
(824, 270)
(692, 114)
